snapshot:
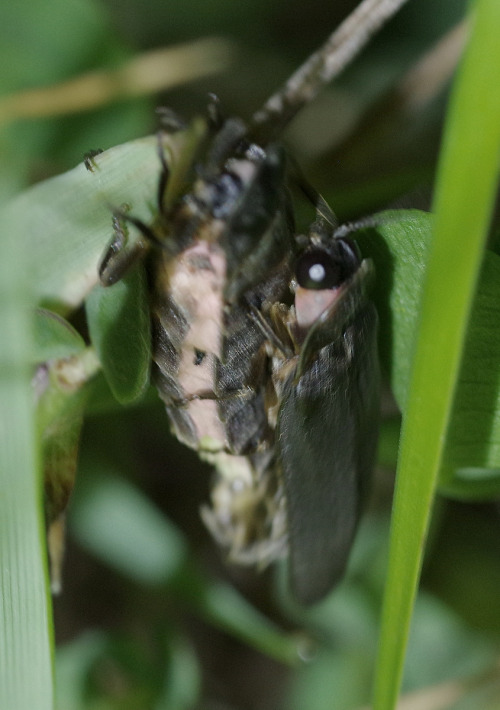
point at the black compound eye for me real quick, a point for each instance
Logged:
(316, 269)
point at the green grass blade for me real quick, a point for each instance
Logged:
(465, 192)
(25, 617)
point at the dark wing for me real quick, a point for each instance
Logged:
(327, 436)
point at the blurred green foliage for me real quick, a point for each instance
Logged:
(141, 623)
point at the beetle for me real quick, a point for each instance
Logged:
(264, 343)
(327, 382)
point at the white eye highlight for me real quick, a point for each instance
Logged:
(317, 273)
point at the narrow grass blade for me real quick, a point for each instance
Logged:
(465, 192)
(25, 618)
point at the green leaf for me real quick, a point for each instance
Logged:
(61, 389)
(73, 663)
(120, 330)
(465, 193)
(168, 679)
(54, 337)
(182, 678)
(400, 248)
(225, 608)
(117, 523)
(469, 483)
(65, 223)
(471, 459)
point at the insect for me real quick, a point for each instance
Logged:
(264, 342)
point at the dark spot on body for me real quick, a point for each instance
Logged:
(199, 356)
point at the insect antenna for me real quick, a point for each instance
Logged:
(164, 175)
(323, 209)
(321, 67)
(321, 206)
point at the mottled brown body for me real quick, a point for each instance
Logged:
(211, 364)
(264, 352)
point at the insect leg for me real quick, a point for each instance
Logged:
(89, 159)
(120, 255)
(164, 176)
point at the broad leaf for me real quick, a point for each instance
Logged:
(400, 247)
(54, 337)
(119, 326)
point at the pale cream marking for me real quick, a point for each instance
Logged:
(310, 304)
(196, 284)
(244, 169)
